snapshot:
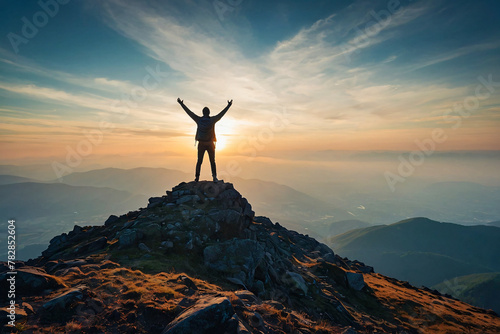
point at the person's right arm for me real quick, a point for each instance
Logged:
(189, 112)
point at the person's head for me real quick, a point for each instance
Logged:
(206, 111)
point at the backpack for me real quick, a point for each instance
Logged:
(205, 131)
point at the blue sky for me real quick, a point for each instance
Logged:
(345, 75)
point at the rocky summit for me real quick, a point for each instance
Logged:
(198, 260)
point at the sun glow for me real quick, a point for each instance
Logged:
(224, 130)
(221, 142)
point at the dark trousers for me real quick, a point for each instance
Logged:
(208, 146)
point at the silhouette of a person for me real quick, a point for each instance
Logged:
(205, 135)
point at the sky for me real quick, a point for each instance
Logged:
(83, 81)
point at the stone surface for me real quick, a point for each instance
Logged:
(234, 256)
(355, 280)
(128, 238)
(208, 315)
(296, 282)
(29, 281)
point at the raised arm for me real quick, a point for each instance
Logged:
(189, 112)
(223, 112)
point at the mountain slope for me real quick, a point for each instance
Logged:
(413, 246)
(199, 261)
(9, 179)
(142, 180)
(289, 206)
(481, 290)
(43, 199)
(343, 226)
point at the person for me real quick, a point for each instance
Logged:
(205, 135)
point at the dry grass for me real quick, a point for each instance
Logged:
(72, 327)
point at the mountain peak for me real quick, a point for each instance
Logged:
(198, 260)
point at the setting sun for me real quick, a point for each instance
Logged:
(221, 142)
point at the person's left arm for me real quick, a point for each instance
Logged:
(223, 112)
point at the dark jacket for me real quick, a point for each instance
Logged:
(206, 124)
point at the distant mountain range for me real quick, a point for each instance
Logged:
(30, 200)
(144, 181)
(423, 251)
(426, 252)
(9, 179)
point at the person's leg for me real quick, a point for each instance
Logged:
(201, 153)
(211, 155)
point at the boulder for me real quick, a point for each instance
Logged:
(355, 280)
(64, 301)
(296, 282)
(143, 247)
(30, 281)
(62, 307)
(111, 219)
(235, 256)
(56, 243)
(208, 315)
(128, 238)
(231, 222)
(92, 246)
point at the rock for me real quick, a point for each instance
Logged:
(234, 256)
(153, 200)
(229, 194)
(187, 199)
(236, 281)
(142, 246)
(329, 257)
(65, 300)
(264, 221)
(258, 287)
(167, 244)
(256, 321)
(231, 222)
(111, 219)
(55, 244)
(128, 238)
(63, 307)
(92, 246)
(241, 329)
(208, 315)
(30, 281)
(153, 205)
(76, 230)
(296, 282)
(355, 280)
